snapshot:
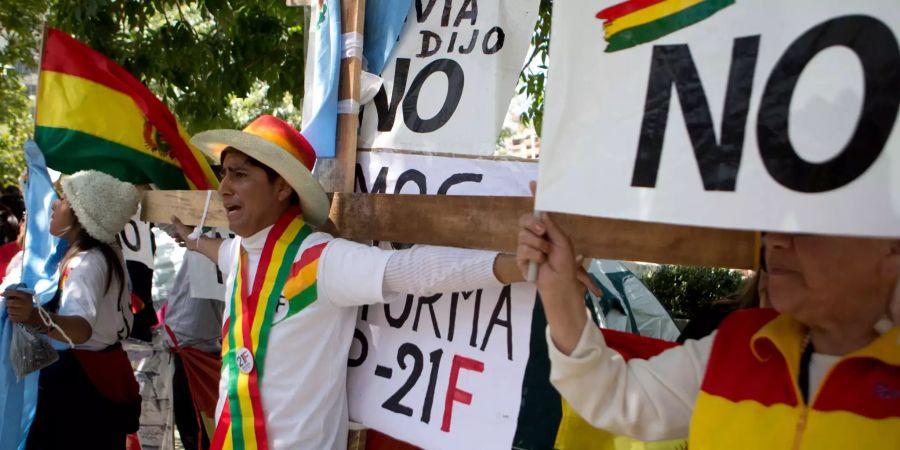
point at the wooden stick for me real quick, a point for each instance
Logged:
(337, 174)
(490, 223)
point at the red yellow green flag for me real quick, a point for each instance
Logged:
(636, 22)
(93, 114)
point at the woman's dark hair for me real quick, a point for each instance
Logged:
(9, 226)
(84, 242)
(271, 174)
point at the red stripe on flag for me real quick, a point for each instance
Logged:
(625, 8)
(309, 255)
(64, 54)
(222, 427)
(259, 418)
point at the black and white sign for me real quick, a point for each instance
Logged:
(449, 81)
(443, 371)
(767, 115)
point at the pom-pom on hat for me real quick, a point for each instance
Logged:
(102, 203)
(279, 146)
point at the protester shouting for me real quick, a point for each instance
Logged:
(89, 397)
(819, 371)
(292, 292)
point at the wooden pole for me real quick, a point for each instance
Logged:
(337, 174)
(490, 223)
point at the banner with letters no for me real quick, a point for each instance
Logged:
(450, 78)
(443, 371)
(762, 114)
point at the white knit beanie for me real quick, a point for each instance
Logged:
(102, 203)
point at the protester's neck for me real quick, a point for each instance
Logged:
(277, 211)
(840, 340)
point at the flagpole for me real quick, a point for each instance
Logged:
(44, 29)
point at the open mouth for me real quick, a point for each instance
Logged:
(230, 209)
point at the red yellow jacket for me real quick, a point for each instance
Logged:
(750, 397)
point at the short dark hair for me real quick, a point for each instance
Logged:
(271, 174)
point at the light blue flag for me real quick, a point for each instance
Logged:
(384, 23)
(321, 128)
(41, 257)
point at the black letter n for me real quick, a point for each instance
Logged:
(718, 163)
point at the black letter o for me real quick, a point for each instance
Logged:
(877, 49)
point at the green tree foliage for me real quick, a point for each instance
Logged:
(215, 63)
(20, 23)
(691, 291)
(534, 73)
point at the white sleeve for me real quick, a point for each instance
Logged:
(427, 270)
(227, 252)
(84, 287)
(351, 274)
(649, 400)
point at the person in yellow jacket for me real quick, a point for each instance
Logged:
(819, 371)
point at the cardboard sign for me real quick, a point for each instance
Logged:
(443, 371)
(207, 281)
(764, 115)
(449, 81)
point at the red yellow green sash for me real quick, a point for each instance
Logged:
(242, 422)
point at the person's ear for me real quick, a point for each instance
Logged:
(283, 190)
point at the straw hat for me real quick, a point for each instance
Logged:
(102, 203)
(279, 146)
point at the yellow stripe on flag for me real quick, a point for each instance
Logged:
(647, 15)
(304, 279)
(278, 251)
(74, 103)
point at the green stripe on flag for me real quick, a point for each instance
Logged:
(230, 361)
(283, 271)
(69, 151)
(301, 300)
(658, 28)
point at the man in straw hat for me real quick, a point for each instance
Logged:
(291, 292)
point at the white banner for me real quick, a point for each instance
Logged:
(399, 173)
(445, 371)
(449, 81)
(135, 240)
(767, 115)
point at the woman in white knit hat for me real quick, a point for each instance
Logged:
(89, 397)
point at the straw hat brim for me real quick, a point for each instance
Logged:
(313, 200)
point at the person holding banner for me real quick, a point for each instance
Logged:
(88, 397)
(292, 293)
(819, 371)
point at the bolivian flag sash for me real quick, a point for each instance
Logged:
(242, 422)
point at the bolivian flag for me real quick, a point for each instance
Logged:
(92, 114)
(636, 22)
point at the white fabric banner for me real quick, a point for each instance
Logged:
(399, 173)
(449, 81)
(444, 371)
(767, 115)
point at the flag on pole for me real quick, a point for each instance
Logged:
(384, 23)
(92, 114)
(323, 70)
(40, 263)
